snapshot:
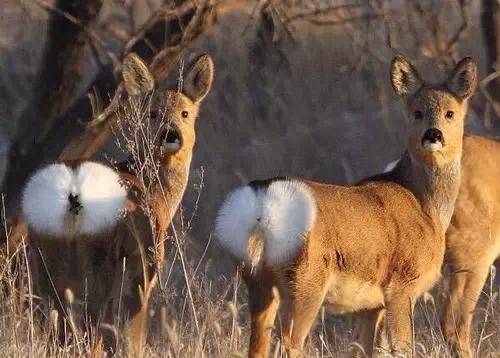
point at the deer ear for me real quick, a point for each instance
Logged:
(404, 77)
(463, 79)
(199, 77)
(137, 78)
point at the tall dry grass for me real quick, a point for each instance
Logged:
(218, 326)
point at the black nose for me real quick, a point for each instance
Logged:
(170, 136)
(433, 135)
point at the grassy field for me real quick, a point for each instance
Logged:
(319, 105)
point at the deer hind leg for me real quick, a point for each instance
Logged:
(366, 325)
(399, 324)
(135, 331)
(465, 288)
(302, 306)
(264, 302)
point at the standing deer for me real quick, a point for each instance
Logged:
(472, 239)
(374, 246)
(96, 237)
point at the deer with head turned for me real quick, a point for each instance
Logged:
(96, 233)
(365, 248)
(472, 239)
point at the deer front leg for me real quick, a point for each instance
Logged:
(263, 302)
(465, 288)
(366, 324)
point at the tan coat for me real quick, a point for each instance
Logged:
(372, 247)
(473, 238)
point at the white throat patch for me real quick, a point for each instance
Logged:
(433, 147)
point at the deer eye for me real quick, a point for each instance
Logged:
(449, 114)
(185, 114)
(153, 114)
(418, 115)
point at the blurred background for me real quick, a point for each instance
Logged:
(301, 87)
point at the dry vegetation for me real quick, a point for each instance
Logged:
(305, 93)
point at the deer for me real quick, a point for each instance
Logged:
(371, 248)
(97, 232)
(472, 239)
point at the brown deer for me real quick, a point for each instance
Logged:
(96, 234)
(472, 239)
(374, 246)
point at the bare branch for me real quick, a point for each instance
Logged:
(461, 30)
(366, 17)
(329, 10)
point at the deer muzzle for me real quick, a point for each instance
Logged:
(171, 140)
(433, 140)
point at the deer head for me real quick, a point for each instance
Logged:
(436, 112)
(172, 112)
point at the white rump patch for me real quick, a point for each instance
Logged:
(99, 191)
(283, 213)
(391, 166)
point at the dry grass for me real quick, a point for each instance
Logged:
(320, 107)
(219, 324)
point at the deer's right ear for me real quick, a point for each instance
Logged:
(199, 77)
(404, 77)
(463, 79)
(137, 78)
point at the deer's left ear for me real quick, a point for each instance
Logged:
(463, 79)
(405, 79)
(137, 78)
(199, 77)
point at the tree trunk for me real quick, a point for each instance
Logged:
(490, 24)
(59, 76)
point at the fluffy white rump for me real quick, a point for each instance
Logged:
(391, 166)
(284, 212)
(45, 201)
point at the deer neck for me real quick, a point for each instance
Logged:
(436, 187)
(169, 189)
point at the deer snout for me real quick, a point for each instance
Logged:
(171, 140)
(433, 140)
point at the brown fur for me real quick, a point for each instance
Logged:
(473, 238)
(378, 245)
(111, 275)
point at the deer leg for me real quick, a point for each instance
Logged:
(302, 306)
(365, 326)
(465, 288)
(263, 302)
(399, 324)
(135, 331)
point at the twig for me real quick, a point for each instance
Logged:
(319, 12)
(162, 12)
(461, 30)
(346, 20)
(483, 89)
